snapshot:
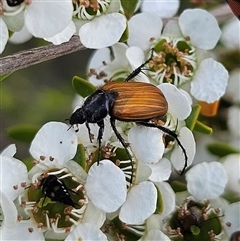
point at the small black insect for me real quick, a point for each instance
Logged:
(13, 3)
(55, 189)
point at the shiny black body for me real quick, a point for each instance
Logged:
(13, 3)
(55, 189)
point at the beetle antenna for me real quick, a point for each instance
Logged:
(172, 134)
(139, 68)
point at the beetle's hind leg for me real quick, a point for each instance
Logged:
(112, 120)
(172, 134)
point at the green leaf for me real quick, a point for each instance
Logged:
(200, 127)
(80, 157)
(195, 230)
(221, 149)
(129, 7)
(82, 86)
(23, 132)
(160, 204)
(4, 76)
(192, 118)
(125, 35)
(178, 186)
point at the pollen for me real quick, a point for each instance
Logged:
(88, 9)
(174, 62)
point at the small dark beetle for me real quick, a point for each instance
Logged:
(55, 189)
(13, 3)
(125, 101)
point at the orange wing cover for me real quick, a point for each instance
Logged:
(137, 101)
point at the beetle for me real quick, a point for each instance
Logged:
(235, 7)
(55, 189)
(125, 101)
(13, 3)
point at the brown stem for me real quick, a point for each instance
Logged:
(34, 56)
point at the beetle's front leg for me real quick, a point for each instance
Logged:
(100, 135)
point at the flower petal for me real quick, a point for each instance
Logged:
(146, 143)
(94, 215)
(14, 23)
(103, 31)
(86, 232)
(9, 211)
(13, 173)
(161, 8)
(201, 27)
(21, 36)
(54, 140)
(210, 81)
(161, 171)
(52, 17)
(186, 138)
(140, 203)
(210, 177)
(142, 28)
(231, 215)
(101, 186)
(232, 167)
(168, 197)
(9, 151)
(63, 36)
(179, 105)
(155, 234)
(143, 172)
(25, 230)
(230, 34)
(4, 35)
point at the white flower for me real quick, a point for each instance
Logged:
(100, 23)
(206, 180)
(53, 148)
(43, 19)
(180, 51)
(12, 183)
(105, 68)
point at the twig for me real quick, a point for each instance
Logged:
(34, 56)
(38, 55)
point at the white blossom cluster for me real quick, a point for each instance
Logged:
(107, 205)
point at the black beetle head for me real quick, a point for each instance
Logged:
(77, 117)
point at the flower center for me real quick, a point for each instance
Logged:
(12, 7)
(174, 61)
(88, 9)
(56, 200)
(195, 221)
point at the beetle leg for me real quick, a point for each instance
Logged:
(89, 131)
(172, 134)
(112, 120)
(100, 135)
(139, 68)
